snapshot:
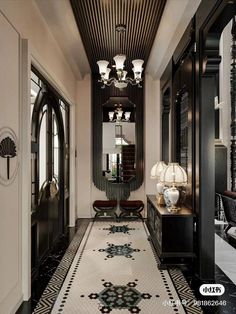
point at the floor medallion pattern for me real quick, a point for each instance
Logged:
(119, 229)
(120, 297)
(119, 250)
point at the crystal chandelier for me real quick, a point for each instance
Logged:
(121, 81)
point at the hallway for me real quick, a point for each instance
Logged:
(119, 109)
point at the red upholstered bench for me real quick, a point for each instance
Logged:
(131, 208)
(105, 208)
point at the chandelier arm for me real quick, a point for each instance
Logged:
(113, 80)
(107, 82)
(132, 81)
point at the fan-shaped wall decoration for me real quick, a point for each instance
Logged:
(8, 156)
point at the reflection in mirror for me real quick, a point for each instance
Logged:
(43, 148)
(118, 154)
(55, 147)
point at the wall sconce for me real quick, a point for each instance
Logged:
(173, 176)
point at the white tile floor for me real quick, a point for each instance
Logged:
(92, 269)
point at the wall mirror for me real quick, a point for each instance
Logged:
(118, 140)
(118, 144)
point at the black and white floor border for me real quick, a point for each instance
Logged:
(50, 294)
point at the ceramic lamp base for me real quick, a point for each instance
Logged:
(173, 195)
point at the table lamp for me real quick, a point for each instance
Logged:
(173, 176)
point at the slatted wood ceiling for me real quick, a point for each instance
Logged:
(97, 19)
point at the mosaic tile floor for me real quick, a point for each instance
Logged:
(115, 271)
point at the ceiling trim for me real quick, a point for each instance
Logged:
(61, 22)
(175, 19)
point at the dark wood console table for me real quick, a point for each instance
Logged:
(171, 232)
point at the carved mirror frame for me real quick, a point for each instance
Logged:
(100, 96)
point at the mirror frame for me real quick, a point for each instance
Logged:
(100, 96)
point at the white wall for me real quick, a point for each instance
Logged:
(25, 16)
(225, 111)
(153, 133)
(10, 212)
(83, 147)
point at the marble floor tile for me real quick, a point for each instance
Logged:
(225, 257)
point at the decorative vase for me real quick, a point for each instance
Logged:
(173, 196)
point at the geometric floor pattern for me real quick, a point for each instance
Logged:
(113, 250)
(129, 282)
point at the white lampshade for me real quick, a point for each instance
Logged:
(157, 169)
(106, 76)
(111, 115)
(173, 175)
(102, 64)
(127, 115)
(137, 65)
(119, 60)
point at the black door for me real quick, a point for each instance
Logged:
(48, 168)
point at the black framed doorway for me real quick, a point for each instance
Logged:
(49, 168)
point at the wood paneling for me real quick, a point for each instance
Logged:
(97, 21)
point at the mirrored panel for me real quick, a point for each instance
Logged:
(119, 140)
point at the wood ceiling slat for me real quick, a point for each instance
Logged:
(136, 28)
(104, 52)
(146, 23)
(105, 17)
(128, 34)
(97, 19)
(87, 25)
(86, 35)
(132, 36)
(149, 34)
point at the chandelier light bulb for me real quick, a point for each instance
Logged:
(124, 75)
(111, 115)
(119, 60)
(106, 76)
(137, 63)
(137, 75)
(127, 115)
(119, 114)
(102, 64)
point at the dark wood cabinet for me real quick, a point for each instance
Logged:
(171, 232)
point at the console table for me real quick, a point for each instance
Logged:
(171, 232)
